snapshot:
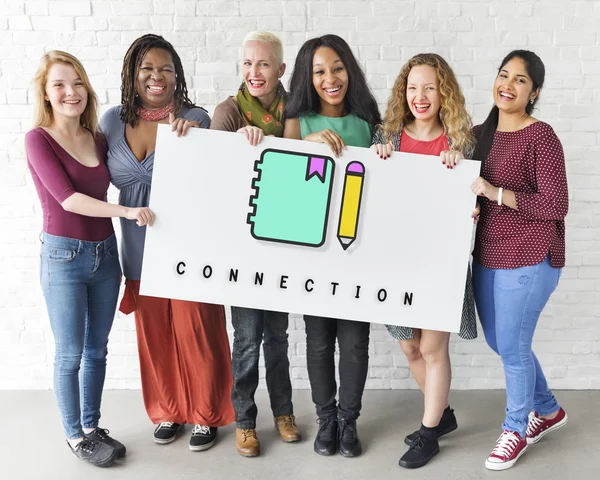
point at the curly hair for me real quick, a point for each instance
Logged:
(131, 65)
(452, 114)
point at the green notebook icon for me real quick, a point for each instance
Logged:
(291, 198)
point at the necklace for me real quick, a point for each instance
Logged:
(155, 114)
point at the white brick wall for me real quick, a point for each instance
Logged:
(473, 35)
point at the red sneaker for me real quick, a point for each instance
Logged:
(538, 427)
(509, 447)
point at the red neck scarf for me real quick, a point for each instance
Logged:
(155, 114)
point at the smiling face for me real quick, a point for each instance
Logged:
(513, 87)
(330, 77)
(422, 93)
(260, 69)
(155, 83)
(65, 91)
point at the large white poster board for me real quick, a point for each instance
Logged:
(355, 237)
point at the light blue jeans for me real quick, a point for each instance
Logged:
(509, 303)
(80, 281)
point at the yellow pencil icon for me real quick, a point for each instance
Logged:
(350, 208)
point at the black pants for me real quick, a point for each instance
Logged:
(251, 328)
(353, 340)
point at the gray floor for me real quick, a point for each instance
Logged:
(31, 445)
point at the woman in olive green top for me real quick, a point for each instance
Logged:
(331, 103)
(255, 111)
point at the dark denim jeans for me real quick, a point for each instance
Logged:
(80, 281)
(251, 327)
(353, 340)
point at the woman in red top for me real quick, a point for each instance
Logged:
(519, 247)
(79, 263)
(426, 114)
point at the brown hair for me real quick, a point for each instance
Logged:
(452, 114)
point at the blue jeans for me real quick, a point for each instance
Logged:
(80, 281)
(509, 303)
(251, 327)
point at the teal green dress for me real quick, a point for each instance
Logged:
(354, 131)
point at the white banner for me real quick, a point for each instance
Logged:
(286, 226)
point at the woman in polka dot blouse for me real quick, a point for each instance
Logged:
(519, 247)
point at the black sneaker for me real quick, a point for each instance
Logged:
(421, 450)
(166, 432)
(447, 424)
(202, 438)
(101, 435)
(97, 453)
(349, 442)
(326, 442)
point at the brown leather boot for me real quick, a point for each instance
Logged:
(286, 426)
(246, 442)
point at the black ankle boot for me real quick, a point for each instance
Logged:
(349, 442)
(326, 442)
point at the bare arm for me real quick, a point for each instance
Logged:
(291, 129)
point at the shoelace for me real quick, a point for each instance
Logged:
(287, 420)
(417, 444)
(248, 433)
(346, 426)
(87, 445)
(534, 424)
(165, 425)
(326, 427)
(200, 429)
(505, 445)
(102, 433)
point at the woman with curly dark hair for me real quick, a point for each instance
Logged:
(184, 354)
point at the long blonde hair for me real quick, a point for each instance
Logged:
(43, 115)
(452, 114)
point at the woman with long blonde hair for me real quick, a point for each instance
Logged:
(80, 271)
(426, 115)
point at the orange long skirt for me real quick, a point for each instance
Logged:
(185, 361)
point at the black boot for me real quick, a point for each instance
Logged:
(349, 442)
(326, 442)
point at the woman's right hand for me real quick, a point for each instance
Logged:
(476, 213)
(254, 135)
(384, 150)
(142, 216)
(329, 137)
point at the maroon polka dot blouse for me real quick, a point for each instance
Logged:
(531, 163)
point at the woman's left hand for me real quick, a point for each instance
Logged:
(253, 134)
(181, 125)
(450, 157)
(481, 187)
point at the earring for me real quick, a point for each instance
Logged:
(532, 100)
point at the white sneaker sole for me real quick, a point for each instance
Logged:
(562, 423)
(166, 441)
(200, 448)
(498, 466)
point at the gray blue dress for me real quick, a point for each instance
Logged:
(133, 179)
